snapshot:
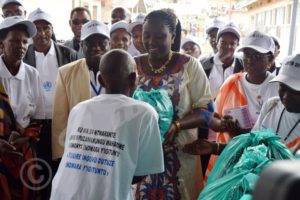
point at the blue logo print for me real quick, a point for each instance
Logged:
(47, 85)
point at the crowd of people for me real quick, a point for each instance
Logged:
(70, 104)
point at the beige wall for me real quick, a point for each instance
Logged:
(277, 24)
(60, 12)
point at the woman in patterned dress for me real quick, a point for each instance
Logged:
(184, 79)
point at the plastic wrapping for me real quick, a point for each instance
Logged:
(161, 102)
(237, 168)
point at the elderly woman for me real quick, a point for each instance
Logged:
(22, 84)
(184, 79)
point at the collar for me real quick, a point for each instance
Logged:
(50, 52)
(217, 60)
(4, 73)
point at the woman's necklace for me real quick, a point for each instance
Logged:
(163, 67)
(290, 132)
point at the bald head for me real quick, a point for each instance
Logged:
(117, 69)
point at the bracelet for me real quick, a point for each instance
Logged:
(177, 124)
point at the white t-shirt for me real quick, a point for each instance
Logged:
(110, 139)
(257, 94)
(25, 92)
(218, 75)
(47, 66)
(269, 118)
(96, 87)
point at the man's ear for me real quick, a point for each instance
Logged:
(70, 23)
(101, 81)
(132, 79)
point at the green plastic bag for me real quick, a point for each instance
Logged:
(161, 102)
(238, 167)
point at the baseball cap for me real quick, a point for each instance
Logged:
(94, 27)
(229, 28)
(290, 72)
(120, 25)
(259, 42)
(216, 23)
(39, 14)
(9, 22)
(186, 40)
(5, 2)
(139, 20)
(276, 40)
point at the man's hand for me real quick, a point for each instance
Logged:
(199, 147)
(233, 126)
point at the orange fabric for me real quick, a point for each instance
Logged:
(231, 95)
(293, 144)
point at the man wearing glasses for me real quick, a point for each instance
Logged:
(78, 17)
(46, 56)
(77, 81)
(12, 8)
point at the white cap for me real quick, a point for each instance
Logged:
(229, 28)
(120, 25)
(290, 72)
(139, 20)
(216, 23)
(39, 14)
(9, 22)
(5, 2)
(94, 27)
(186, 40)
(259, 42)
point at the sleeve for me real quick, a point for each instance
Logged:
(198, 85)
(150, 148)
(60, 117)
(40, 107)
(263, 112)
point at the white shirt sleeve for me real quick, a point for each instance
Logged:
(150, 154)
(40, 107)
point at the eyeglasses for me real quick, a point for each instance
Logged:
(12, 13)
(45, 29)
(78, 21)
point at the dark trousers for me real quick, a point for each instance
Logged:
(44, 152)
(203, 134)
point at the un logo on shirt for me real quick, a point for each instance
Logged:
(47, 85)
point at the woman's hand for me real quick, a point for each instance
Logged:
(171, 135)
(7, 149)
(17, 140)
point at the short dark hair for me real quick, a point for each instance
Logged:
(21, 27)
(80, 9)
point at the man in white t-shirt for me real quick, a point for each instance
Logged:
(112, 140)
(282, 114)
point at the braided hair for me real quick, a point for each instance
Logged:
(168, 17)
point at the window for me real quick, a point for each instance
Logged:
(95, 12)
(279, 16)
(268, 20)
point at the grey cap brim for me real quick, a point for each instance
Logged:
(5, 3)
(293, 83)
(256, 48)
(31, 29)
(88, 35)
(133, 24)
